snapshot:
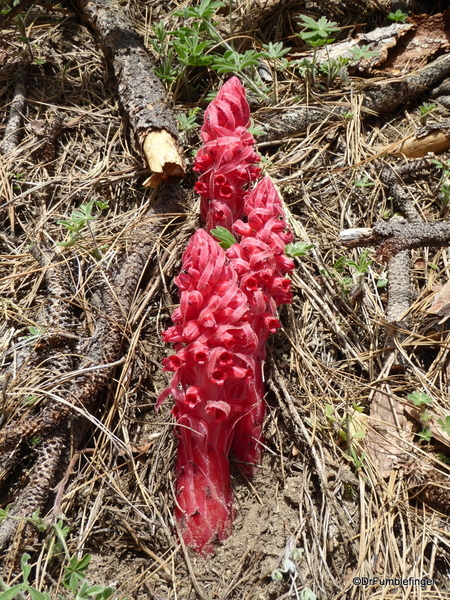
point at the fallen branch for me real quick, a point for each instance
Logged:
(67, 414)
(378, 98)
(140, 91)
(397, 236)
(14, 125)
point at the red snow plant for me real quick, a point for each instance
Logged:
(228, 308)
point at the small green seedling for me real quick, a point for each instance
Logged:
(35, 331)
(335, 67)
(256, 130)
(204, 11)
(365, 182)
(424, 110)
(233, 62)
(80, 218)
(444, 193)
(398, 16)
(317, 33)
(422, 400)
(425, 435)
(275, 52)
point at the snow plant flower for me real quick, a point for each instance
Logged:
(228, 308)
(227, 161)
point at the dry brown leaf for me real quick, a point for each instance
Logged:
(389, 434)
(441, 303)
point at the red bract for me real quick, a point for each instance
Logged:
(228, 308)
(227, 161)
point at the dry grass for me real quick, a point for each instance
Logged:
(318, 487)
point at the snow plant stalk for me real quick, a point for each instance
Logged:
(228, 308)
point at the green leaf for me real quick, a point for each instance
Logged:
(425, 435)
(4, 512)
(225, 238)
(12, 592)
(273, 51)
(37, 595)
(277, 575)
(419, 398)
(307, 594)
(298, 249)
(445, 425)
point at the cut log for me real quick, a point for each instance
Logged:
(431, 138)
(141, 93)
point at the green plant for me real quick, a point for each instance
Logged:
(316, 34)
(189, 121)
(382, 281)
(365, 182)
(362, 53)
(419, 399)
(18, 590)
(335, 67)
(425, 435)
(275, 52)
(80, 218)
(398, 16)
(195, 45)
(444, 193)
(204, 11)
(35, 331)
(298, 249)
(256, 130)
(360, 268)
(445, 424)
(443, 458)
(233, 62)
(191, 50)
(292, 556)
(424, 110)
(76, 583)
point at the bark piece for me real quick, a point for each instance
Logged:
(35, 494)
(288, 123)
(400, 294)
(140, 91)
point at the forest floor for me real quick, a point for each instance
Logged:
(355, 479)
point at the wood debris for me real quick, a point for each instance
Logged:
(142, 94)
